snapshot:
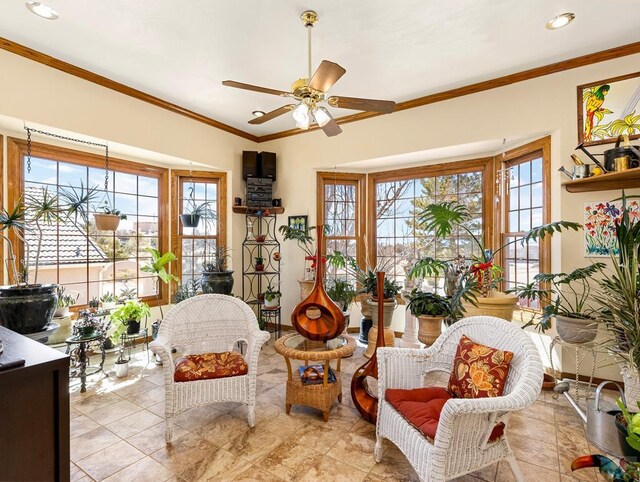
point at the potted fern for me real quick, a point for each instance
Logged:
(442, 219)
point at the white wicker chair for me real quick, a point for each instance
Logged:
(461, 442)
(208, 324)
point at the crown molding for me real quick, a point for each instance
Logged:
(581, 61)
(71, 69)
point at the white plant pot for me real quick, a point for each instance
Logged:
(122, 369)
(631, 380)
(274, 303)
(576, 330)
(108, 305)
(61, 311)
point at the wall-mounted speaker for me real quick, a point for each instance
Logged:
(258, 164)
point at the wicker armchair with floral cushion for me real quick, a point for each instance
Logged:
(204, 369)
(457, 435)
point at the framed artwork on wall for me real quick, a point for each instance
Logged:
(609, 108)
(298, 222)
(600, 226)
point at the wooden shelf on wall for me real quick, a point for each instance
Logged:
(606, 182)
(248, 210)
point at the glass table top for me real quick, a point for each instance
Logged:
(298, 342)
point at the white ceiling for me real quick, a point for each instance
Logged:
(181, 51)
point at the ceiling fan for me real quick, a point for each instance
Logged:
(312, 91)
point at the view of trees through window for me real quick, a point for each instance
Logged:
(87, 262)
(340, 216)
(401, 240)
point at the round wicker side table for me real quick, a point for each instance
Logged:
(320, 396)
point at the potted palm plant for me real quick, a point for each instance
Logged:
(442, 219)
(27, 306)
(216, 278)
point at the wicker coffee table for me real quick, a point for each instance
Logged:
(320, 396)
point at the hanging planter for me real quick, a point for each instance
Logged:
(108, 221)
(190, 220)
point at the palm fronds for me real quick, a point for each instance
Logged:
(442, 218)
(428, 266)
(76, 201)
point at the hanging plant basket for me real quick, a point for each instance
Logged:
(106, 222)
(190, 220)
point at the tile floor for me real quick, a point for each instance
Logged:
(117, 434)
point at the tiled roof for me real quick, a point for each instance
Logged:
(72, 248)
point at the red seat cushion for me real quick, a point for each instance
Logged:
(421, 407)
(209, 365)
(478, 371)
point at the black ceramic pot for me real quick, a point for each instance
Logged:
(133, 327)
(27, 309)
(365, 326)
(630, 454)
(220, 282)
(190, 220)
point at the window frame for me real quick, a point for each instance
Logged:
(349, 178)
(484, 165)
(17, 150)
(540, 148)
(178, 177)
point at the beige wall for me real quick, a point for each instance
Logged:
(544, 106)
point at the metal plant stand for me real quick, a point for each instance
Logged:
(78, 348)
(261, 241)
(582, 350)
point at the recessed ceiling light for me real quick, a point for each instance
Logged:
(258, 113)
(560, 21)
(42, 10)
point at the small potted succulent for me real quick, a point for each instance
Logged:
(272, 298)
(109, 219)
(64, 302)
(109, 301)
(127, 294)
(126, 319)
(121, 364)
(86, 325)
(216, 278)
(94, 304)
(259, 263)
(195, 212)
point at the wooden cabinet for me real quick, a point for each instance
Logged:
(34, 411)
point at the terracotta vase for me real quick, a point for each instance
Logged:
(363, 400)
(317, 317)
(429, 328)
(106, 222)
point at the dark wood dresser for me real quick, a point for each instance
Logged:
(34, 412)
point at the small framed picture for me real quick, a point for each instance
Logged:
(298, 222)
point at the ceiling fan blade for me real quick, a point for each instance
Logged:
(327, 74)
(372, 105)
(272, 115)
(331, 128)
(255, 88)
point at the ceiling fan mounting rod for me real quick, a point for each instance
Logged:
(309, 18)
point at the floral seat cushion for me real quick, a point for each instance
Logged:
(207, 366)
(478, 371)
(421, 407)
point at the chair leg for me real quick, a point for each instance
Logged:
(168, 433)
(515, 468)
(377, 451)
(251, 415)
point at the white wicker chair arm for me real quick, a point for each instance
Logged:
(401, 368)
(254, 345)
(161, 347)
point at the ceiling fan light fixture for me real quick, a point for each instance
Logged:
(560, 21)
(301, 113)
(42, 10)
(322, 116)
(303, 125)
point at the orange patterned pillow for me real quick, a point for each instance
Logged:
(209, 365)
(478, 371)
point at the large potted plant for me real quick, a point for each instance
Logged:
(27, 306)
(442, 219)
(216, 278)
(569, 299)
(127, 318)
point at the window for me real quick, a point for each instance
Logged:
(340, 207)
(193, 246)
(396, 200)
(88, 262)
(525, 205)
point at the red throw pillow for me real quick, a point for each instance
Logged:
(209, 365)
(478, 371)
